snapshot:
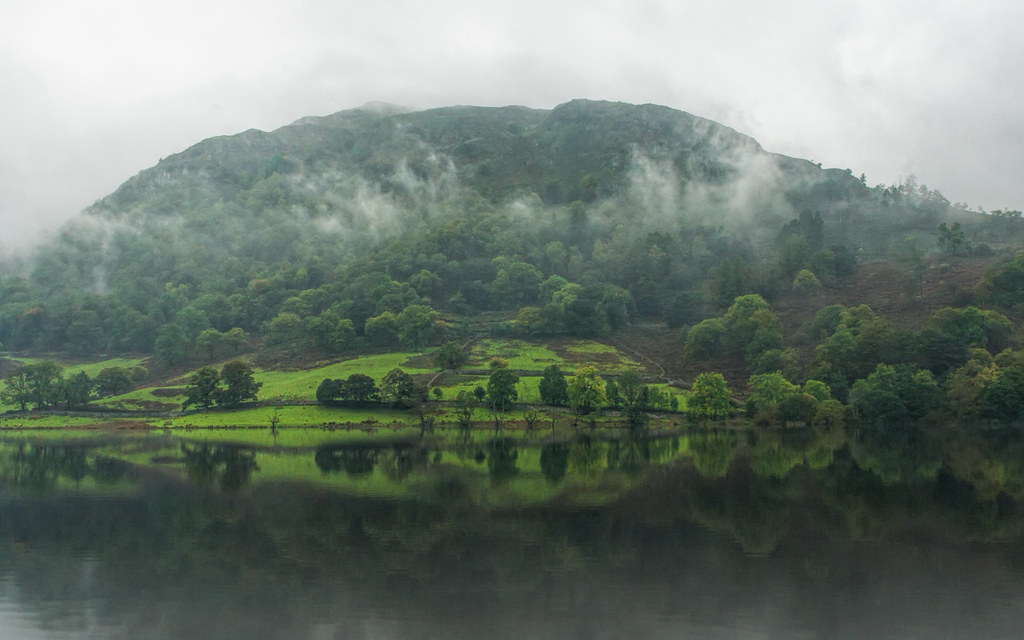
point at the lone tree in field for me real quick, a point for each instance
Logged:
(501, 387)
(552, 386)
(450, 356)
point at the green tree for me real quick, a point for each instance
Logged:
(632, 390)
(516, 283)
(85, 333)
(416, 325)
(286, 329)
(751, 328)
(382, 330)
(329, 390)
(171, 346)
(451, 356)
(76, 389)
(112, 381)
(329, 332)
(817, 389)
(894, 393)
(201, 389)
(952, 240)
(709, 398)
(635, 397)
(531, 321)
(501, 388)
(798, 407)
(192, 322)
(16, 390)
(45, 382)
(553, 386)
(397, 388)
(209, 341)
(768, 392)
(805, 281)
(360, 389)
(585, 391)
(829, 413)
(235, 339)
(1004, 283)
(239, 382)
(705, 339)
(465, 404)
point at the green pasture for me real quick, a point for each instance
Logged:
(528, 387)
(588, 346)
(567, 354)
(302, 384)
(142, 399)
(298, 437)
(93, 368)
(521, 355)
(289, 416)
(43, 421)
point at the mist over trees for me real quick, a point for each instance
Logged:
(381, 231)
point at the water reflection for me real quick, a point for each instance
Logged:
(355, 461)
(710, 533)
(228, 467)
(501, 460)
(554, 461)
(46, 466)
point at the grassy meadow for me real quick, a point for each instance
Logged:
(287, 397)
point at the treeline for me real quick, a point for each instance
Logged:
(43, 385)
(963, 364)
(46, 385)
(583, 391)
(397, 389)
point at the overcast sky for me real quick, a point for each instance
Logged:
(93, 92)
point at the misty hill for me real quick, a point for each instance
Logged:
(377, 227)
(582, 150)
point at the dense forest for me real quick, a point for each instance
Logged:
(375, 229)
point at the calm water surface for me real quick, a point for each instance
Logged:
(793, 534)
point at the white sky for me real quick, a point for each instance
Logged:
(93, 92)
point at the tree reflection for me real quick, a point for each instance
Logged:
(631, 455)
(401, 461)
(43, 466)
(712, 451)
(225, 466)
(354, 461)
(501, 460)
(554, 461)
(585, 455)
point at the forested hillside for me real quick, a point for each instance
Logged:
(376, 228)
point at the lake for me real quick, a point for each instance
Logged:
(795, 533)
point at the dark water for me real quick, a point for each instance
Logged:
(795, 534)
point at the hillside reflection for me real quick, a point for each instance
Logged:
(818, 533)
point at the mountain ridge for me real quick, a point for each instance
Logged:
(535, 141)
